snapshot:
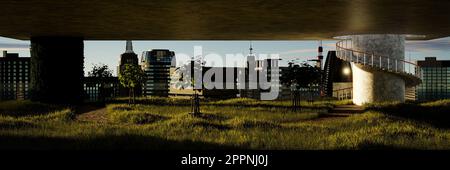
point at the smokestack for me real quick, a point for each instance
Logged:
(320, 55)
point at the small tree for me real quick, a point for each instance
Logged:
(101, 72)
(183, 78)
(130, 77)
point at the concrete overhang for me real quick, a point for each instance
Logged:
(222, 19)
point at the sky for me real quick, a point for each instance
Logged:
(108, 52)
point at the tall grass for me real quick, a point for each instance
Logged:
(435, 113)
(26, 108)
(241, 102)
(223, 126)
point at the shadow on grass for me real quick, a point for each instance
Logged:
(378, 146)
(437, 116)
(209, 125)
(215, 102)
(322, 116)
(213, 117)
(27, 108)
(88, 107)
(122, 142)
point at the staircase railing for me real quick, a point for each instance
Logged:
(345, 52)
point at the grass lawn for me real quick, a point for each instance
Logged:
(163, 123)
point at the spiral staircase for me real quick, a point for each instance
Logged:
(408, 71)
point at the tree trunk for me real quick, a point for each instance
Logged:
(132, 93)
(129, 96)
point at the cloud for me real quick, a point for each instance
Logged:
(441, 44)
(16, 47)
(330, 45)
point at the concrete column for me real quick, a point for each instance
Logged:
(374, 85)
(57, 69)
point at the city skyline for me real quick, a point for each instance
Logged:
(108, 52)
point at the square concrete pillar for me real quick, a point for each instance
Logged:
(57, 69)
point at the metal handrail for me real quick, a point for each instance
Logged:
(376, 61)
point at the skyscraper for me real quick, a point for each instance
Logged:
(156, 65)
(248, 76)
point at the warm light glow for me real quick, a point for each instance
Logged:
(346, 71)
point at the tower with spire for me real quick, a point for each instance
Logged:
(250, 58)
(129, 47)
(250, 75)
(128, 57)
(251, 48)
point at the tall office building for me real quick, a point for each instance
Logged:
(129, 57)
(436, 79)
(14, 76)
(248, 76)
(157, 65)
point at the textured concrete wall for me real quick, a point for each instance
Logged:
(371, 85)
(57, 69)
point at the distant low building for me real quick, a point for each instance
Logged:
(435, 79)
(93, 90)
(14, 76)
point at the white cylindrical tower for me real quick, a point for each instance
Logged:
(374, 84)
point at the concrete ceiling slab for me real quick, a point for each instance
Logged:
(222, 19)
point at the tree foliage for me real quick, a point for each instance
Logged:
(130, 77)
(301, 74)
(100, 71)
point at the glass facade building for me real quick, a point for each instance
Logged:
(156, 65)
(435, 81)
(14, 77)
